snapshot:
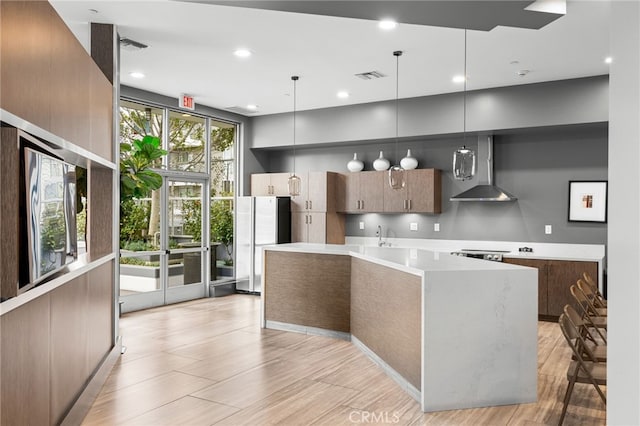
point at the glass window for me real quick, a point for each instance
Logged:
(187, 141)
(137, 120)
(223, 137)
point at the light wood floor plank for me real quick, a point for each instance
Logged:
(207, 362)
(184, 411)
(132, 401)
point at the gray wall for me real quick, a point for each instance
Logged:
(533, 164)
(583, 100)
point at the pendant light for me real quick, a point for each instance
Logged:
(396, 172)
(294, 181)
(464, 159)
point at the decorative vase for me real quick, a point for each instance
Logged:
(381, 163)
(408, 162)
(355, 165)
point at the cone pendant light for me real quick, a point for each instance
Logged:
(396, 172)
(294, 181)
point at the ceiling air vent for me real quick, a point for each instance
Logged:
(128, 44)
(241, 110)
(370, 75)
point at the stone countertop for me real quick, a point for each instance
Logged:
(551, 251)
(412, 260)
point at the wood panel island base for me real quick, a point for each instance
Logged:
(453, 332)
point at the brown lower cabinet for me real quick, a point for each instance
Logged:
(555, 277)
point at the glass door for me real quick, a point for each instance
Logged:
(187, 262)
(172, 261)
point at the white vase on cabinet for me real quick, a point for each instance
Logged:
(381, 163)
(408, 162)
(355, 165)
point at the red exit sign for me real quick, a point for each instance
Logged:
(187, 102)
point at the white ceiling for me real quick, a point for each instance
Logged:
(191, 49)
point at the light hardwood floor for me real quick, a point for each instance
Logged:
(207, 362)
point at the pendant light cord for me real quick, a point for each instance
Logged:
(295, 80)
(397, 54)
(464, 94)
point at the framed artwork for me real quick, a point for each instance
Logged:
(587, 201)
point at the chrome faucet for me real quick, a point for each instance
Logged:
(379, 235)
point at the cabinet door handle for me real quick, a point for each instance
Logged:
(404, 204)
(409, 204)
(357, 204)
(310, 204)
(306, 219)
(362, 204)
(310, 219)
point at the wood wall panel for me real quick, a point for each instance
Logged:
(70, 89)
(24, 362)
(99, 215)
(69, 334)
(101, 131)
(386, 314)
(308, 289)
(102, 48)
(52, 344)
(9, 216)
(25, 62)
(100, 312)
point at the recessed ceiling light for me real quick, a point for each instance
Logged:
(387, 24)
(242, 53)
(136, 74)
(608, 60)
(252, 107)
(458, 79)
(343, 94)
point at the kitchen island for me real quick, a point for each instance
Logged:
(452, 332)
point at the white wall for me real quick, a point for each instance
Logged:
(623, 372)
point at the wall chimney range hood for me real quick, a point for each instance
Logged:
(485, 191)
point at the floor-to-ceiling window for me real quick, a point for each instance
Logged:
(176, 224)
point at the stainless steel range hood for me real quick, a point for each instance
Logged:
(485, 191)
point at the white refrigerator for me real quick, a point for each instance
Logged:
(260, 221)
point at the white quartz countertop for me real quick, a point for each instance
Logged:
(552, 251)
(412, 260)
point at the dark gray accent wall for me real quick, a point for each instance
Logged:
(533, 164)
(576, 101)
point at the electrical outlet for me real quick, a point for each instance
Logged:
(361, 225)
(413, 226)
(436, 227)
(547, 229)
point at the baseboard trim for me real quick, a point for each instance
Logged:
(83, 404)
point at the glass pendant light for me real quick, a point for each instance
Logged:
(294, 181)
(396, 172)
(464, 159)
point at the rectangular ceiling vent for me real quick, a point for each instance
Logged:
(132, 45)
(370, 75)
(241, 110)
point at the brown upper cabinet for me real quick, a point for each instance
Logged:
(421, 193)
(317, 192)
(369, 192)
(265, 184)
(362, 192)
